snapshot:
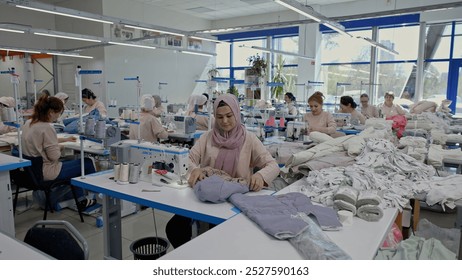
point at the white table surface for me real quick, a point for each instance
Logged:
(240, 238)
(14, 249)
(179, 201)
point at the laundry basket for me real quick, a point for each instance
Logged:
(149, 248)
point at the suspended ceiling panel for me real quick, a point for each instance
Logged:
(223, 9)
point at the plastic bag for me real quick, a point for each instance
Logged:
(394, 236)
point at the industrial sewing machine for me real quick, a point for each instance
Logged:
(343, 120)
(184, 124)
(295, 130)
(161, 164)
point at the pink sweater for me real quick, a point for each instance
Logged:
(253, 154)
(98, 105)
(323, 120)
(40, 140)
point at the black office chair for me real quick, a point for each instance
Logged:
(59, 239)
(31, 177)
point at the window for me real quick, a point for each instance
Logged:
(339, 48)
(404, 40)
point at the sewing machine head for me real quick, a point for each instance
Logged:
(295, 130)
(342, 119)
(184, 124)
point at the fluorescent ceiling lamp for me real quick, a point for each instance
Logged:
(378, 45)
(132, 45)
(63, 14)
(221, 30)
(207, 39)
(67, 37)
(197, 53)
(310, 13)
(18, 50)
(299, 8)
(11, 30)
(153, 30)
(71, 55)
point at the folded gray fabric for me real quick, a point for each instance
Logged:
(370, 213)
(279, 215)
(216, 189)
(343, 205)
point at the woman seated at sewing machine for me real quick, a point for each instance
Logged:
(196, 110)
(348, 105)
(6, 102)
(318, 119)
(227, 147)
(151, 128)
(39, 139)
(89, 98)
(289, 98)
(388, 108)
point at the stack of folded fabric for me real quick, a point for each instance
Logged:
(368, 206)
(364, 204)
(345, 199)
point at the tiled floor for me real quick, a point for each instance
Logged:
(141, 224)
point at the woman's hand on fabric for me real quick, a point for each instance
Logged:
(67, 139)
(256, 182)
(196, 175)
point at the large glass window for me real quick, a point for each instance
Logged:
(436, 81)
(404, 40)
(287, 44)
(392, 77)
(223, 54)
(442, 47)
(339, 48)
(458, 41)
(240, 53)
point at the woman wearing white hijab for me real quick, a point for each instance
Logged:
(151, 128)
(202, 118)
(6, 102)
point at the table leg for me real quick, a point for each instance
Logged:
(6, 205)
(112, 229)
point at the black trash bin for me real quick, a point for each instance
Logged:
(149, 248)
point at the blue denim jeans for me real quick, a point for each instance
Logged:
(71, 169)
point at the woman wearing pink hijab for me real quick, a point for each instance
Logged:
(230, 148)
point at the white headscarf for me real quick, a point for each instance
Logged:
(8, 101)
(196, 100)
(147, 102)
(63, 96)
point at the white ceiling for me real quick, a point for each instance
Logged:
(223, 9)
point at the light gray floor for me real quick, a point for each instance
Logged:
(140, 224)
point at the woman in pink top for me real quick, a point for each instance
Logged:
(39, 139)
(389, 109)
(89, 98)
(230, 148)
(317, 119)
(348, 105)
(151, 129)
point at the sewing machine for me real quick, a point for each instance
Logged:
(184, 124)
(171, 160)
(295, 130)
(342, 120)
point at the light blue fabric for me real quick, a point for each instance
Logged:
(71, 125)
(217, 190)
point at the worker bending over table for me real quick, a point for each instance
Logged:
(227, 147)
(151, 128)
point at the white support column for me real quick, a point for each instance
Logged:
(373, 80)
(419, 77)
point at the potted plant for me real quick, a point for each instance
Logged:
(258, 65)
(213, 72)
(233, 90)
(278, 77)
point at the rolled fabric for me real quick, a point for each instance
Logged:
(343, 205)
(368, 198)
(347, 194)
(370, 213)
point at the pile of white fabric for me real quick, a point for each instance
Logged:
(416, 147)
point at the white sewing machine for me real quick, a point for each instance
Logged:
(342, 120)
(293, 129)
(184, 124)
(161, 164)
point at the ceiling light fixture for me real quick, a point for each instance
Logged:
(196, 53)
(18, 50)
(54, 10)
(11, 30)
(312, 14)
(378, 45)
(68, 54)
(207, 39)
(154, 30)
(132, 45)
(67, 37)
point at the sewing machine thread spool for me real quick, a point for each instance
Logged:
(116, 171)
(134, 170)
(90, 126)
(123, 174)
(100, 129)
(8, 115)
